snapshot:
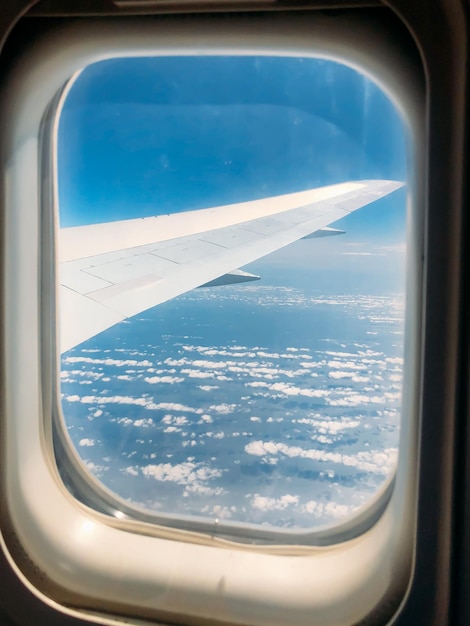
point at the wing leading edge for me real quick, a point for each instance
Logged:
(109, 272)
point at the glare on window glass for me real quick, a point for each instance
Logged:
(265, 386)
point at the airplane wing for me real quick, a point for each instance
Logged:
(109, 272)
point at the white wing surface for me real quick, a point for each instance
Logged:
(109, 272)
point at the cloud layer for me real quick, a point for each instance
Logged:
(283, 423)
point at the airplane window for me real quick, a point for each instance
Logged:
(232, 275)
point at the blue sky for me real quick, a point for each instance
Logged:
(146, 136)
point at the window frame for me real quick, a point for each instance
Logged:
(380, 534)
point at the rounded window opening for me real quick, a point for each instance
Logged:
(232, 286)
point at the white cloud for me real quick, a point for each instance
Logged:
(144, 402)
(255, 384)
(339, 375)
(292, 390)
(144, 422)
(203, 490)
(222, 512)
(327, 509)
(205, 419)
(324, 439)
(223, 409)
(350, 365)
(329, 426)
(132, 471)
(152, 380)
(72, 398)
(177, 362)
(193, 476)
(379, 462)
(95, 469)
(264, 503)
(83, 373)
(86, 442)
(125, 421)
(108, 361)
(355, 399)
(197, 373)
(171, 429)
(267, 355)
(212, 364)
(178, 420)
(175, 406)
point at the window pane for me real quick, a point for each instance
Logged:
(274, 397)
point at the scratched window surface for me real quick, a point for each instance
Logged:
(268, 391)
